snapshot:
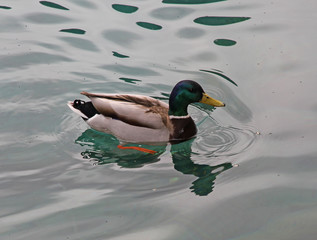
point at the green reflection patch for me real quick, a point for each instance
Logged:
(218, 21)
(124, 8)
(53, 5)
(5, 7)
(74, 30)
(150, 26)
(116, 54)
(220, 74)
(225, 42)
(130, 80)
(191, 1)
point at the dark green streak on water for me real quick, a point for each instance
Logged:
(74, 30)
(124, 8)
(116, 54)
(219, 21)
(220, 74)
(225, 42)
(5, 7)
(191, 1)
(53, 5)
(150, 26)
(130, 80)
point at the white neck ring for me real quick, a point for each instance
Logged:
(178, 117)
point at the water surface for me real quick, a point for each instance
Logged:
(249, 173)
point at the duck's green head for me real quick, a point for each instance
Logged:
(186, 92)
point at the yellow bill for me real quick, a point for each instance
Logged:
(211, 101)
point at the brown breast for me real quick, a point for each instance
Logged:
(183, 129)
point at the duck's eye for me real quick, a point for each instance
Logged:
(191, 90)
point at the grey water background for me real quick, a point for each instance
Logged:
(249, 174)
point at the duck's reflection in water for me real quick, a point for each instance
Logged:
(204, 184)
(103, 149)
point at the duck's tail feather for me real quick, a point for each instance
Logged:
(85, 109)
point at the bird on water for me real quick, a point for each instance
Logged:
(143, 119)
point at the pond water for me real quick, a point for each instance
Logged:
(249, 174)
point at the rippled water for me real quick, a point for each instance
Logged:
(249, 173)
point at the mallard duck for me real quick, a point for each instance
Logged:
(142, 119)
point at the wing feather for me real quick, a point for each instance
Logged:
(135, 110)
